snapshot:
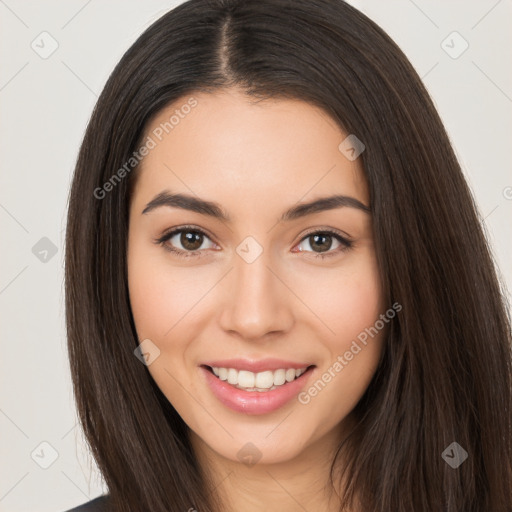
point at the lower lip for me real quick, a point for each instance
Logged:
(254, 402)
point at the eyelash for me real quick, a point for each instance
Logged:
(346, 244)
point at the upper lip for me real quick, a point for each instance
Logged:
(256, 366)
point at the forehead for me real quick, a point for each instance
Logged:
(246, 152)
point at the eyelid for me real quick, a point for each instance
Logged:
(176, 229)
(325, 229)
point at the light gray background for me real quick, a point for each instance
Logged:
(45, 105)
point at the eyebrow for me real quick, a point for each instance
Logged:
(212, 209)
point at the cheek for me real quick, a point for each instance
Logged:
(355, 307)
(349, 303)
(150, 299)
(348, 300)
(159, 295)
(160, 298)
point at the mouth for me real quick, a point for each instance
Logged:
(259, 392)
(263, 381)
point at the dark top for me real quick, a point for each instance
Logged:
(99, 504)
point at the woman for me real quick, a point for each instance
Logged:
(279, 295)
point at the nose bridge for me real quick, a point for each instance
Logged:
(257, 301)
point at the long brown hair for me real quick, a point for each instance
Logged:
(445, 374)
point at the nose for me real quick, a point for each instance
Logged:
(258, 302)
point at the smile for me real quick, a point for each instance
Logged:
(255, 392)
(262, 381)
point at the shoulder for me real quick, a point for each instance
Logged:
(99, 504)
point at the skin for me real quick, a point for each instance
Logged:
(256, 160)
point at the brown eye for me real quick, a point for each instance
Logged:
(321, 242)
(184, 241)
(188, 242)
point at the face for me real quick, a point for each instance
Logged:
(239, 285)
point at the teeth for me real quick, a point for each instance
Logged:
(262, 381)
(279, 377)
(232, 376)
(245, 379)
(290, 375)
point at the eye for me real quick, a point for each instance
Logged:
(323, 241)
(190, 238)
